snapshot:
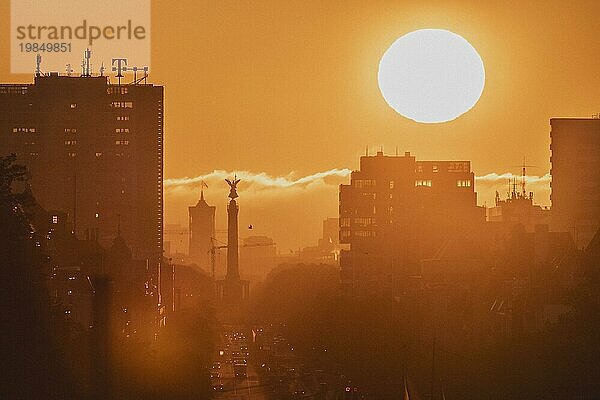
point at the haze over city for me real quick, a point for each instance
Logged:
(334, 200)
(292, 88)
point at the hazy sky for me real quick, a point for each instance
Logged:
(277, 87)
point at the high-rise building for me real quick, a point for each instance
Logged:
(397, 210)
(94, 151)
(575, 145)
(202, 232)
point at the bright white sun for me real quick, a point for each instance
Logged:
(431, 76)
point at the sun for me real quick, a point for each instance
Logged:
(431, 76)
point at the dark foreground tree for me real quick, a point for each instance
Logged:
(32, 366)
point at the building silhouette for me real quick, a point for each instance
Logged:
(202, 232)
(575, 145)
(331, 233)
(518, 208)
(258, 256)
(94, 151)
(397, 210)
(328, 247)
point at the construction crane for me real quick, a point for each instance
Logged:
(213, 249)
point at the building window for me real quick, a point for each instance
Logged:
(122, 130)
(423, 182)
(24, 130)
(122, 142)
(13, 89)
(97, 215)
(122, 117)
(70, 142)
(369, 195)
(98, 154)
(364, 233)
(460, 166)
(463, 183)
(363, 183)
(55, 219)
(122, 104)
(72, 155)
(73, 105)
(117, 90)
(364, 221)
(419, 167)
(435, 168)
(345, 222)
(391, 184)
(70, 130)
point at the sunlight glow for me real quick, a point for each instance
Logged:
(431, 76)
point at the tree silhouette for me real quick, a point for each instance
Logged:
(31, 362)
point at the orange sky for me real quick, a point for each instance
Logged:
(282, 86)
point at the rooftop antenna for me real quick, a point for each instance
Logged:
(135, 69)
(119, 65)
(396, 151)
(367, 150)
(69, 69)
(38, 63)
(524, 176)
(87, 56)
(102, 69)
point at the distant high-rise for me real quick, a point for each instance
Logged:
(331, 232)
(95, 151)
(257, 257)
(575, 145)
(397, 210)
(202, 232)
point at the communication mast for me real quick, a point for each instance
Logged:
(38, 63)
(85, 63)
(523, 177)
